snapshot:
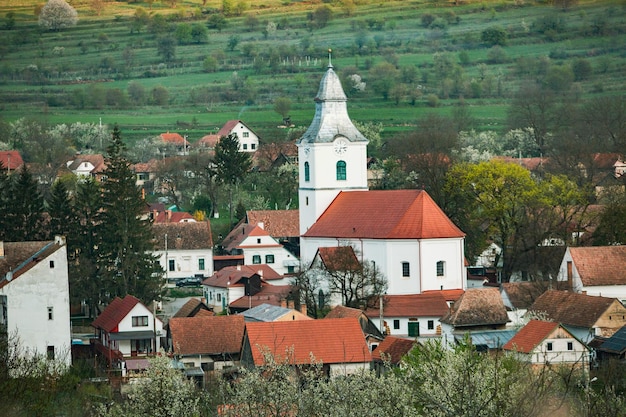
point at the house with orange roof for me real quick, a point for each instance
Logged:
(192, 308)
(127, 329)
(338, 344)
(548, 343)
(585, 316)
(206, 343)
(258, 247)
(35, 298)
(170, 216)
(404, 232)
(282, 225)
(414, 315)
(234, 282)
(88, 165)
(178, 143)
(184, 249)
(372, 333)
(391, 351)
(146, 174)
(478, 310)
(595, 270)
(10, 161)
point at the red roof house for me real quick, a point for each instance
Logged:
(10, 160)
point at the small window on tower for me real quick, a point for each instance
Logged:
(341, 170)
(307, 173)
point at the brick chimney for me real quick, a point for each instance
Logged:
(303, 309)
(570, 276)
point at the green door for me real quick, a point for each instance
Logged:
(414, 329)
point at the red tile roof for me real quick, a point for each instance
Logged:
(97, 160)
(207, 335)
(228, 127)
(10, 160)
(192, 308)
(269, 294)
(388, 214)
(331, 341)
(477, 307)
(600, 265)
(573, 309)
(449, 295)
(185, 235)
(531, 164)
(278, 223)
(230, 276)
(174, 138)
(530, 336)
(208, 141)
(169, 216)
(241, 232)
(415, 305)
(339, 258)
(119, 308)
(392, 349)
(522, 294)
(340, 312)
(20, 257)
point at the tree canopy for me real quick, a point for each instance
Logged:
(57, 14)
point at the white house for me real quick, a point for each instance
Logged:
(595, 270)
(545, 342)
(89, 165)
(126, 329)
(248, 140)
(34, 297)
(258, 247)
(184, 249)
(410, 239)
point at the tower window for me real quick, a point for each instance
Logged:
(307, 173)
(441, 268)
(405, 269)
(341, 170)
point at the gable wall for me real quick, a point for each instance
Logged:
(186, 262)
(559, 353)
(613, 319)
(241, 131)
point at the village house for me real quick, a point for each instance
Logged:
(10, 161)
(275, 295)
(248, 139)
(548, 343)
(518, 297)
(417, 247)
(145, 175)
(184, 249)
(585, 316)
(612, 348)
(192, 308)
(282, 225)
(595, 270)
(338, 344)
(88, 165)
(126, 330)
(177, 144)
(267, 312)
(34, 297)
(373, 335)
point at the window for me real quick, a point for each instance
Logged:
(258, 241)
(406, 272)
(253, 146)
(171, 265)
(549, 346)
(291, 269)
(50, 353)
(50, 313)
(396, 324)
(341, 170)
(256, 259)
(441, 268)
(201, 264)
(245, 146)
(307, 173)
(246, 134)
(431, 324)
(218, 297)
(570, 346)
(51, 264)
(140, 321)
(142, 176)
(269, 259)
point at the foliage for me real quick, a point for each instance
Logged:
(57, 14)
(22, 207)
(494, 36)
(282, 106)
(166, 47)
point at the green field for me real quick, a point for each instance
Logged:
(83, 73)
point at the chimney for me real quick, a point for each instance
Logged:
(303, 309)
(570, 276)
(261, 225)
(283, 303)
(168, 214)
(1, 249)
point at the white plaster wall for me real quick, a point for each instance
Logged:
(28, 299)
(281, 255)
(404, 326)
(186, 262)
(348, 369)
(610, 291)
(450, 251)
(559, 352)
(252, 138)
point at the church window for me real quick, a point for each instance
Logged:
(341, 170)
(406, 271)
(441, 268)
(307, 173)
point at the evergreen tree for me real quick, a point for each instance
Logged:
(4, 201)
(61, 212)
(125, 252)
(24, 208)
(231, 165)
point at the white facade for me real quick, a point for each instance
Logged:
(37, 305)
(219, 298)
(248, 140)
(182, 263)
(139, 319)
(420, 326)
(264, 249)
(390, 256)
(345, 369)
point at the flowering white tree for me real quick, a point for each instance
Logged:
(57, 14)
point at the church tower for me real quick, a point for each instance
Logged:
(332, 153)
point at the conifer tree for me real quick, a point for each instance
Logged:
(125, 252)
(61, 212)
(231, 165)
(24, 208)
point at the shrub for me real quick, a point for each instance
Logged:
(432, 100)
(582, 69)
(494, 36)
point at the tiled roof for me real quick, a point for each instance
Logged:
(531, 164)
(278, 223)
(240, 233)
(185, 235)
(331, 341)
(571, 308)
(449, 295)
(340, 312)
(339, 258)
(208, 141)
(150, 166)
(231, 275)
(269, 294)
(392, 349)
(477, 307)
(174, 138)
(207, 335)
(228, 127)
(415, 305)
(10, 160)
(530, 336)
(369, 214)
(191, 308)
(97, 160)
(169, 216)
(19, 257)
(115, 312)
(600, 265)
(522, 294)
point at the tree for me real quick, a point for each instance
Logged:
(217, 21)
(160, 95)
(166, 48)
(231, 165)
(57, 14)
(23, 219)
(382, 78)
(199, 33)
(320, 17)
(183, 34)
(282, 106)
(126, 261)
(136, 92)
(63, 220)
(494, 36)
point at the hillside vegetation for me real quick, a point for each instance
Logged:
(186, 66)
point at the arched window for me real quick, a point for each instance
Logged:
(307, 174)
(341, 170)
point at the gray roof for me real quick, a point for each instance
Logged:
(493, 339)
(331, 114)
(616, 343)
(265, 313)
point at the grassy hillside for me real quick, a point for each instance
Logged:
(276, 48)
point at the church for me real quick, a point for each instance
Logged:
(404, 232)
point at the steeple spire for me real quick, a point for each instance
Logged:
(330, 58)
